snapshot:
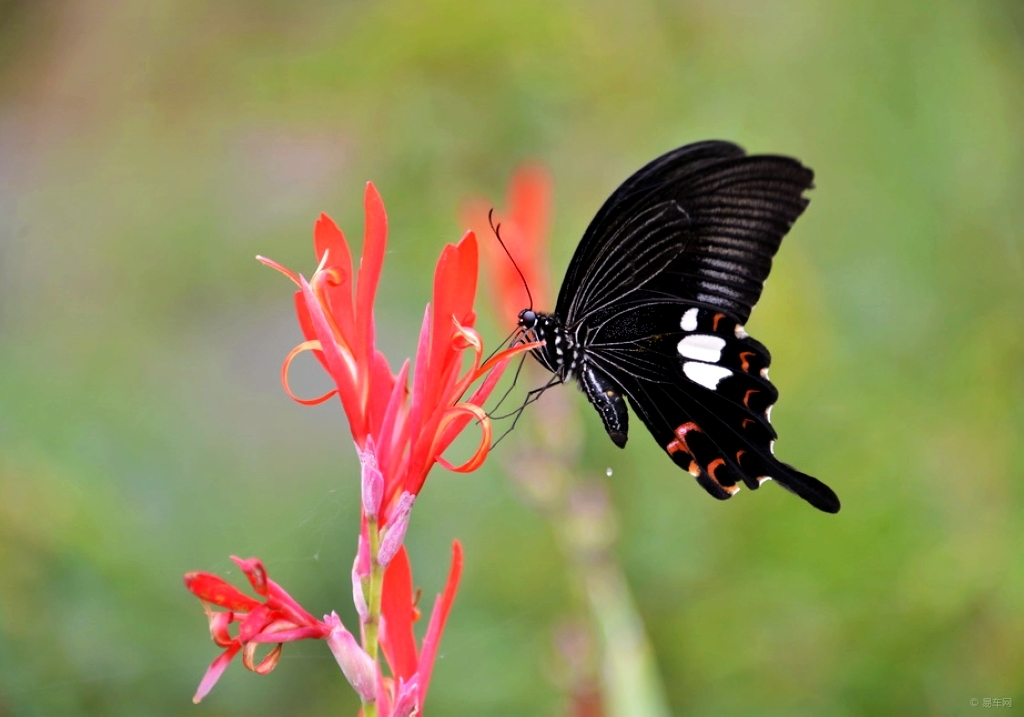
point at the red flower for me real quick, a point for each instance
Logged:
(400, 433)
(410, 430)
(277, 619)
(524, 229)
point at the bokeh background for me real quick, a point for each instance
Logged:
(149, 150)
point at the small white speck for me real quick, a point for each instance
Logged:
(689, 322)
(768, 413)
(608, 472)
(764, 373)
(702, 347)
(771, 447)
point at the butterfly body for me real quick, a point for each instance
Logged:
(653, 305)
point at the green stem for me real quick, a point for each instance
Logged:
(373, 597)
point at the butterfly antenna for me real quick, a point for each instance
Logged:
(497, 233)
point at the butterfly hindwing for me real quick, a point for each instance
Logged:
(700, 384)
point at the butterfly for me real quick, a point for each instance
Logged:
(652, 312)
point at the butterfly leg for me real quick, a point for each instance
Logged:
(607, 398)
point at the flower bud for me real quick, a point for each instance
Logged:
(358, 595)
(372, 481)
(359, 668)
(394, 533)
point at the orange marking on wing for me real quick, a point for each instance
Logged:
(714, 322)
(745, 422)
(746, 396)
(739, 454)
(713, 466)
(679, 442)
(743, 358)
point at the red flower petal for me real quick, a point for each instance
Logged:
(375, 236)
(213, 589)
(213, 673)
(442, 606)
(254, 570)
(396, 638)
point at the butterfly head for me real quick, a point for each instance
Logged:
(559, 354)
(528, 319)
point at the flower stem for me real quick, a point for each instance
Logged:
(373, 599)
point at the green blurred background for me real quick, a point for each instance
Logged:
(149, 150)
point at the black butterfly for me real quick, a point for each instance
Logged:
(653, 305)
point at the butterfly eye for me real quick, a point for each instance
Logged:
(527, 319)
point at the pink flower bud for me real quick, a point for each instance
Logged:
(372, 481)
(358, 596)
(362, 564)
(359, 668)
(394, 533)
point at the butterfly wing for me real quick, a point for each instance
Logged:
(729, 212)
(700, 384)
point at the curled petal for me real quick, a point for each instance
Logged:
(457, 412)
(266, 665)
(219, 623)
(304, 346)
(467, 337)
(213, 673)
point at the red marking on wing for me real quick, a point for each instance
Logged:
(714, 322)
(713, 466)
(743, 358)
(679, 442)
(746, 396)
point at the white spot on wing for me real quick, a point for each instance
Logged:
(764, 373)
(761, 479)
(702, 347)
(768, 413)
(689, 322)
(771, 447)
(741, 333)
(707, 375)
